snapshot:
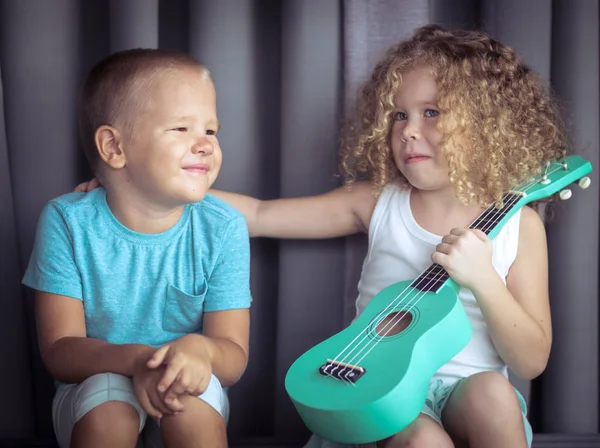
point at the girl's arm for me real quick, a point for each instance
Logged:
(343, 211)
(340, 212)
(518, 314)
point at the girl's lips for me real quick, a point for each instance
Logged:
(415, 158)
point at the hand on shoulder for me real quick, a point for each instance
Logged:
(86, 187)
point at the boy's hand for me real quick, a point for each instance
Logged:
(466, 254)
(86, 187)
(145, 381)
(188, 369)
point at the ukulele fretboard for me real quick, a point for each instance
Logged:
(492, 215)
(435, 276)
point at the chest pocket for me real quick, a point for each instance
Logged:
(183, 312)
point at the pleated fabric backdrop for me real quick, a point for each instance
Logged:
(285, 71)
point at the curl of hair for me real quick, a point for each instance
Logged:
(499, 124)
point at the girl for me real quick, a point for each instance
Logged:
(449, 121)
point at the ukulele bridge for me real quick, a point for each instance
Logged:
(342, 371)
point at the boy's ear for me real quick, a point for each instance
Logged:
(109, 143)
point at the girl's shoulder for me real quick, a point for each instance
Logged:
(366, 196)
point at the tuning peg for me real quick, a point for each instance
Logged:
(565, 194)
(584, 182)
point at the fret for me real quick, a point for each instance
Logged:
(492, 215)
(434, 277)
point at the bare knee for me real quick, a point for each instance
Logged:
(199, 425)
(111, 421)
(489, 394)
(423, 433)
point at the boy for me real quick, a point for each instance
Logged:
(142, 286)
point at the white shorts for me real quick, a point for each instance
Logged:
(72, 401)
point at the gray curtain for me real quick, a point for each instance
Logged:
(285, 72)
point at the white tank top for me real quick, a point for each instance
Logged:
(400, 249)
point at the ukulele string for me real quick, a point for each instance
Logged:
(393, 303)
(414, 300)
(395, 321)
(515, 199)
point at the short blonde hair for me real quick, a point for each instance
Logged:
(116, 88)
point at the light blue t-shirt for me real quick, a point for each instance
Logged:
(141, 288)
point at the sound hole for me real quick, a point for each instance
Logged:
(394, 323)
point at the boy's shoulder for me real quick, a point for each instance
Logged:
(214, 208)
(215, 219)
(75, 202)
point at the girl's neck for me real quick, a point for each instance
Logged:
(440, 211)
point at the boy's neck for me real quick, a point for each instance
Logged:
(140, 215)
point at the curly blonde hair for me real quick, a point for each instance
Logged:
(499, 124)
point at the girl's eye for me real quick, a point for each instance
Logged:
(181, 129)
(400, 116)
(431, 113)
(211, 132)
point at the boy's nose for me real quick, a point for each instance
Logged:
(203, 145)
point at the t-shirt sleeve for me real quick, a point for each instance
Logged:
(52, 266)
(229, 283)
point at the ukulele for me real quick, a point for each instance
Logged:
(370, 380)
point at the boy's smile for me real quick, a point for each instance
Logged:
(173, 155)
(199, 168)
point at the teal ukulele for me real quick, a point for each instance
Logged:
(370, 380)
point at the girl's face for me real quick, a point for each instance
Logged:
(415, 138)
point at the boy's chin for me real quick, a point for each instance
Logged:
(194, 196)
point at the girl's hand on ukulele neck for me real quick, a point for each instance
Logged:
(466, 254)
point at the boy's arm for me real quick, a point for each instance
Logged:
(222, 348)
(54, 276)
(67, 353)
(223, 342)
(343, 211)
(228, 335)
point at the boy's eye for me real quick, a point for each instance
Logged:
(431, 113)
(211, 132)
(182, 129)
(400, 116)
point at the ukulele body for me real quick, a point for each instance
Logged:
(359, 406)
(353, 398)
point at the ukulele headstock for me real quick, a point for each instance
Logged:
(556, 177)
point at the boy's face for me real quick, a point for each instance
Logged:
(173, 154)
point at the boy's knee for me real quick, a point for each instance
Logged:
(112, 417)
(199, 425)
(195, 411)
(103, 407)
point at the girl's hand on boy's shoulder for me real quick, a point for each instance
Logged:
(466, 254)
(86, 187)
(145, 385)
(187, 367)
